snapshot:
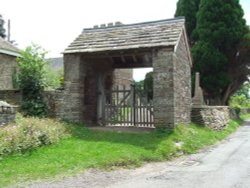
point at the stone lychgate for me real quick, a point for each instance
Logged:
(89, 62)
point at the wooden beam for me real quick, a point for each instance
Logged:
(123, 59)
(134, 58)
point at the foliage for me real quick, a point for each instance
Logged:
(93, 149)
(54, 79)
(148, 85)
(139, 84)
(221, 28)
(188, 8)
(220, 43)
(32, 81)
(239, 101)
(244, 90)
(241, 98)
(2, 30)
(29, 133)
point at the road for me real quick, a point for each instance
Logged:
(225, 165)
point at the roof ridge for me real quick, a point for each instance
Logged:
(171, 20)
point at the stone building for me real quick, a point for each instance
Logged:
(8, 64)
(90, 60)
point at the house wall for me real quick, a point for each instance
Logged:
(7, 66)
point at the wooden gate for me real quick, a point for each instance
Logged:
(127, 107)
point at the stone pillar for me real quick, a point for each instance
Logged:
(164, 104)
(73, 96)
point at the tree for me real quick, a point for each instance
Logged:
(53, 79)
(31, 65)
(219, 50)
(2, 30)
(244, 90)
(188, 8)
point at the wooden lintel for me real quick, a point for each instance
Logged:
(134, 58)
(123, 59)
(131, 65)
(146, 58)
(111, 59)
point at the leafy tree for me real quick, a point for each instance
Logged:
(220, 51)
(244, 90)
(31, 77)
(188, 8)
(53, 79)
(2, 30)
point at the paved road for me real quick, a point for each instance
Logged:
(226, 165)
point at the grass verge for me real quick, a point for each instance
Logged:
(94, 149)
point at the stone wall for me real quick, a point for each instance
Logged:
(163, 83)
(74, 87)
(214, 117)
(172, 86)
(182, 83)
(81, 86)
(55, 100)
(13, 97)
(8, 65)
(123, 77)
(7, 114)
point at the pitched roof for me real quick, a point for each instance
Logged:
(8, 48)
(132, 36)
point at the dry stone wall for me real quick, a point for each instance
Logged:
(7, 113)
(214, 117)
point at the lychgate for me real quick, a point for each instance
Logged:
(89, 62)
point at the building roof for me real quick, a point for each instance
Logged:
(8, 48)
(133, 36)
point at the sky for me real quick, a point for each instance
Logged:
(54, 24)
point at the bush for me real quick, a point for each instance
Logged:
(30, 133)
(31, 79)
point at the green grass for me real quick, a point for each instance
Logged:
(94, 149)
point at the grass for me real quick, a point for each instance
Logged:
(94, 149)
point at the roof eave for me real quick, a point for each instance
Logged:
(11, 53)
(172, 45)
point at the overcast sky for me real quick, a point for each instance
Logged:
(54, 24)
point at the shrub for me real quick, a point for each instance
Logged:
(30, 133)
(31, 79)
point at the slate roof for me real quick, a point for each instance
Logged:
(132, 36)
(8, 48)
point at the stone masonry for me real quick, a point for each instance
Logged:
(182, 81)
(7, 113)
(8, 65)
(90, 60)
